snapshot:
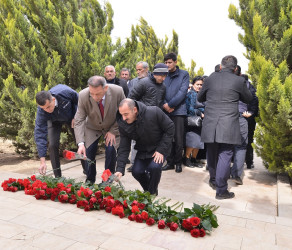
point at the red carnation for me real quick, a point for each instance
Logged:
(202, 232)
(92, 200)
(141, 206)
(86, 208)
(87, 192)
(98, 194)
(161, 224)
(135, 209)
(33, 178)
(195, 221)
(106, 174)
(125, 204)
(131, 217)
(150, 221)
(69, 155)
(173, 226)
(134, 203)
(195, 233)
(187, 224)
(144, 215)
(122, 215)
(108, 209)
(107, 189)
(138, 218)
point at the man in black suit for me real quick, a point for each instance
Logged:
(221, 92)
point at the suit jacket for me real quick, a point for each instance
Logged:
(221, 91)
(89, 125)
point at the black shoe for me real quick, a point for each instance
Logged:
(178, 168)
(237, 180)
(128, 161)
(167, 167)
(188, 163)
(212, 185)
(250, 166)
(130, 169)
(225, 195)
(198, 165)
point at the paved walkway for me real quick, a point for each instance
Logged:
(259, 217)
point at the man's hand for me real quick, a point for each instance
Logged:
(72, 123)
(81, 150)
(158, 158)
(43, 166)
(110, 139)
(118, 176)
(167, 108)
(246, 114)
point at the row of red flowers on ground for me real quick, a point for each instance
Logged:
(137, 206)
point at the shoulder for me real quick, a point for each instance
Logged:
(60, 88)
(84, 92)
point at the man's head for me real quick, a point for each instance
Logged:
(170, 60)
(198, 83)
(229, 62)
(97, 87)
(217, 68)
(128, 110)
(237, 70)
(46, 101)
(142, 69)
(125, 74)
(109, 72)
(160, 72)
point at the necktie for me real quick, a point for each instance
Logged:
(101, 108)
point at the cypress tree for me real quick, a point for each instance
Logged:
(268, 40)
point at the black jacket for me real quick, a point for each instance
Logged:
(221, 91)
(153, 131)
(149, 92)
(120, 82)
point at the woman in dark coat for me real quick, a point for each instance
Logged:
(193, 135)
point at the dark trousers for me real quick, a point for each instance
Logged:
(218, 159)
(147, 173)
(110, 160)
(54, 131)
(249, 149)
(178, 144)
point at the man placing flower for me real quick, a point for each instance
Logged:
(153, 132)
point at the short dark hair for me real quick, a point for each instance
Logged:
(171, 56)
(42, 97)
(197, 78)
(126, 69)
(217, 68)
(229, 62)
(238, 70)
(96, 81)
(130, 103)
(244, 76)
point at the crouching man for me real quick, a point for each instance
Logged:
(153, 132)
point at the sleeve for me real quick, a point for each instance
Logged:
(201, 96)
(253, 107)
(137, 92)
(167, 126)
(181, 94)
(245, 94)
(123, 152)
(79, 124)
(41, 132)
(114, 129)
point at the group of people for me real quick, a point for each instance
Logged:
(145, 117)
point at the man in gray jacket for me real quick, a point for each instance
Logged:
(221, 91)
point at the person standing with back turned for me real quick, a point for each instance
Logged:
(220, 131)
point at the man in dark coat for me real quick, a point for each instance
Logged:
(221, 92)
(110, 77)
(177, 84)
(55, 108)
(150, 90)
(153, 132)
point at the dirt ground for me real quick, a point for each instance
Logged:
(13, 162)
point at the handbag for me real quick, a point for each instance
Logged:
(194, 121)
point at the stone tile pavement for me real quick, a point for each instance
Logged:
(259, 217)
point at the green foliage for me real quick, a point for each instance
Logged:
(45, 43)
(268, 40)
